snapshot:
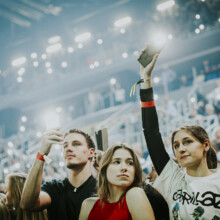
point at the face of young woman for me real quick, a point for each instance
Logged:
(121, 170)
(188, 150)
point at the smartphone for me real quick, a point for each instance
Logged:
(147, 56)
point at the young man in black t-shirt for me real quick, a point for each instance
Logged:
(62, 198)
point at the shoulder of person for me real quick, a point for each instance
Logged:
(135, 192)
(87, 206)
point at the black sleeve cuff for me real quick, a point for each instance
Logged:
(146, 95)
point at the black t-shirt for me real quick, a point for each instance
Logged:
(66, 200)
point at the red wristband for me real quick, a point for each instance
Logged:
(147, 104)
(40, 157)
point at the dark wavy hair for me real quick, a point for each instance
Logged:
(201, 135)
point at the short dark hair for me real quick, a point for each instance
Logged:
(89, 140)
(201, 135)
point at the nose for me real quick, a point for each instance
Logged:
(181, 148)
(69, 148)
(124, 167)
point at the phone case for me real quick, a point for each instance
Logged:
(147, 56)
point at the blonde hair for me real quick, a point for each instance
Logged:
(103, 186)
(15, 186)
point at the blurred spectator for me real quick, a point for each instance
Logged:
(216, 139)
(14, 186)
(119, 94)
(2, 186)
(95, 100)
(4, 212)
(209, 109)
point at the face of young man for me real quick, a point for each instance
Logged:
(76, 150)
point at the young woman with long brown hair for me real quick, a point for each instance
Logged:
(120, 195)
(191, 187)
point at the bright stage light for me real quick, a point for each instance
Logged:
(201, 27)
(44, 56)
(17, 165)
(193, 99)
(53, 40)
(159, 40)
(19, 79)
(22, 128)
(91, 66)
(64, 64)
(51, 120)
(165, 5)
(82, 37)
(19, 61)
(54, 48)
(156, 80)
(123, 22)
(122, 31)
(197, 31)
(5, 171)
(39, 134)
(47, 64)
(35, 63)
(23, 118)
(21, 71)
(10, 144)
(80, 45)
(197, 16)
(96, 64)
(100, 41)
(70, 50)
(125, 55)
(49, 71)
(113, 81)
(61, 163)
(156, 97)
(33, 55)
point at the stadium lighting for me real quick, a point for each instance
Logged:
(197, 31)
(91, 66)
(159, 39)
(82, 37)
(122, 31)
(70, 50)
(17, 165)
(49, 71)
(44, 56)
(165, 5)
(53, 40)
(156, 80)
(23, 118)
(5, 170)
(33, 55)
(21, 71)
(99, 41)
(96, 63)
(80, 45)
(197, 16)
(51, 120)
(201, 26)
(193, 99)
(47, 64)
(156, 97)
(19, 61)
(19, 79)
(123, 22)
(113, 81)
(61, 163)
(125, 55)
(10, 144)
(54, 48)
(35, 63)
(64, 64)
(22, 128)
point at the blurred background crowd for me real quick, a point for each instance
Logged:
(72, 64)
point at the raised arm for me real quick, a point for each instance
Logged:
(150, 123)
(32, 197)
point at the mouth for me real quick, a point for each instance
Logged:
(184, 157)
(69, 156)
(123, 175)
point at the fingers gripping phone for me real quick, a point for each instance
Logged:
(147, 56)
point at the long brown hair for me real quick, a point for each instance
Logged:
(15, 186)
(103, 186)
(201, 135)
